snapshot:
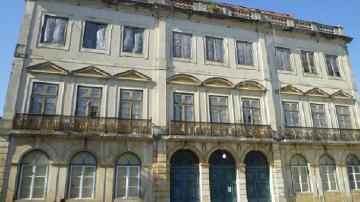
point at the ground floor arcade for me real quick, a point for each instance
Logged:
(56, 168)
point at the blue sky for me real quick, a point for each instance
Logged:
(334, 12)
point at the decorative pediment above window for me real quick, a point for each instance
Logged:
(132, 75)
(341, 95)
(291, 90)
(91, 71)
(48, 68)
(184, 79)
(316, 92)
(218, 83)
(250, 86)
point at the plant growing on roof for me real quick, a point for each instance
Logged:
(212, 8)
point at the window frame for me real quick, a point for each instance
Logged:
(298, 167)
(145, 48)
(292, 112)
(107, 40)
(33, 176)
(349, 114)
(88, 98)
(215, 62)
(314, 71)
(42, 30)
(127, 168)
(326, 118)
(82, 168)
(183, 106)
(327, 174)
(336, 57)
(70, 22)
(131, 103)
(329, 167)
(123, 38)
(251, 110)
(217, 106)
(353, 173)
(191, 45)
(43, 96)
(251, 66)
(289, 57)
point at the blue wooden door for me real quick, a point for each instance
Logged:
(257, 178)
(222, 183)
(184, 177)
(184, 184)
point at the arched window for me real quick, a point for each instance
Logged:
(82, 176)
(327, 173)
(300, 175)
(353, 168)
(127, 176)
(33, 175)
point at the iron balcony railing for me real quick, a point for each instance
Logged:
(320, 134)
(49, 123)
(219, 129)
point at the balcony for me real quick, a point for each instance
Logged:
(51, 123)
(219, 129)
(321, 134)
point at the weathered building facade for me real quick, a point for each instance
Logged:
(178, 101)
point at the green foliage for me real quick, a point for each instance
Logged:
(212, 8)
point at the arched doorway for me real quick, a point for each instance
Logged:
(257, 177)
(184, 177)
(222, 177)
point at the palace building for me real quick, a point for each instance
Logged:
(178, 101)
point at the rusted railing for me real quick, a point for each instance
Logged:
(302, 25)
(49, 123)
(219, 129)
(182, 4)
(321, 134)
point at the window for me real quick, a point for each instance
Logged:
(183, 107)
(318, 115)
(332, 65)
(133, 40)
(245, 53)
(291, 113)
(300, 175)
(43, 99)
(94, 35)
(308, 63)
(283, 58)
(219, 112)
(251, 111)
(327, 173)
(353, 169)
(127, 176)
(82, 176)
(54, 30)
(130, 104)
(214, 49)
(182, 45)
(33, 175)
(343, 116)
(88, 102)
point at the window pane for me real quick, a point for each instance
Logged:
(25, 187)
(94, 35)
(54, 30)
(241, 53)
(249, 54)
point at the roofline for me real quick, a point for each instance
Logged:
(277, 21)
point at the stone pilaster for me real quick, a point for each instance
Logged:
(278, 190)
(161, 174)
(241, 182)
(204, 183)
